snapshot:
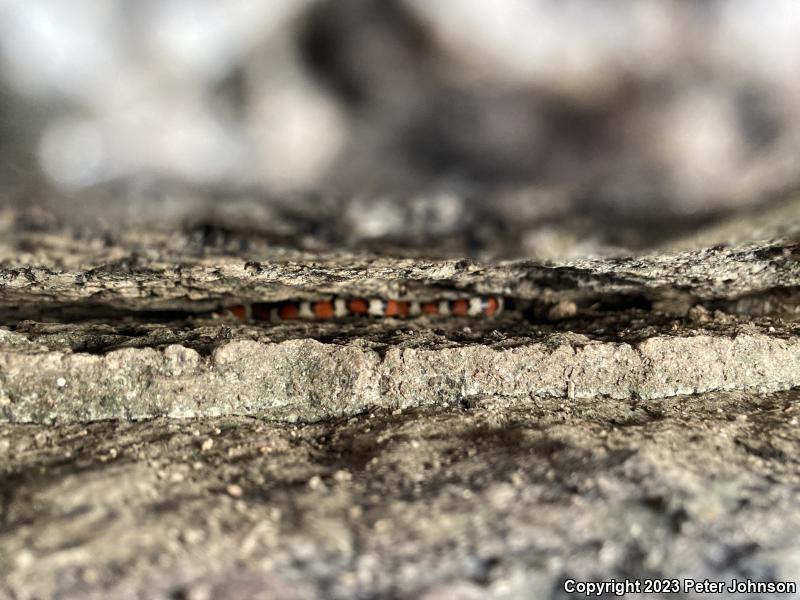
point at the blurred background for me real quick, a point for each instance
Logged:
(544, 128)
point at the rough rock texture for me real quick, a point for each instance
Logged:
(163, 268)
(624, 174)
(498, 500)
(632, 417)
(305, 380)
(128, 336)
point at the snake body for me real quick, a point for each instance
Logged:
(290, 310)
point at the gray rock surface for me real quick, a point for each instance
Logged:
(503, 499)
(91, 337)
(167, 268)
(627, 418)
(306, 380)
(624, 175)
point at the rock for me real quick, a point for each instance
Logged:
(496, 500)
(625, 418)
